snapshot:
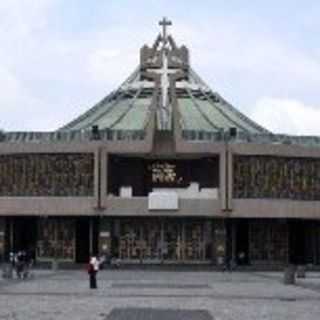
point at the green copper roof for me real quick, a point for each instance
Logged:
(192, 118)
(136, 117)
(163, 81)
(122, 110)
(205, 114)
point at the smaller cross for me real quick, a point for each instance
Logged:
(164, 23)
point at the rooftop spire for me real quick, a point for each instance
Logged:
(164, 23)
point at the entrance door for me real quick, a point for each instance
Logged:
(82, 240)
(86, 238)
(25, 234)
(160, 240)
(242, 242)
(297, 242)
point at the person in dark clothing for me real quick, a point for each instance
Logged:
(19, 264)
(93, 269)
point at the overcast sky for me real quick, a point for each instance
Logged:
(58, 57)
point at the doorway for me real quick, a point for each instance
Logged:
(160, 240)
(297, 242)
(86, 238)
(242, 242)
(22, 235)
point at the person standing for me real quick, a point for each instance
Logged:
(19, 264)
(93, 269)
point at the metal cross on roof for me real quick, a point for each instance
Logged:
(164, 73)
(164, 23)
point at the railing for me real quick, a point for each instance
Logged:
(70, 136)
(245, 137)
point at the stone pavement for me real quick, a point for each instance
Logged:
(163, 295)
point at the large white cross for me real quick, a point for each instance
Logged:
(164, 71)
(164, 78)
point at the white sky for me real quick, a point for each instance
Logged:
(58, 58)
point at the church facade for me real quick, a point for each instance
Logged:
(163, 170)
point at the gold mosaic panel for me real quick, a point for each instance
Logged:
(47, 175)
(276, 177)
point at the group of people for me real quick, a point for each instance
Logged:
(21, 263)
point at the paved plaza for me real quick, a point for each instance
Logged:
(163, 295)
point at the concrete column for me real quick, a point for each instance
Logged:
(104, 173)
(223, 179)
(104, 176)
(97, 176)
(230, 179)
(219, 243)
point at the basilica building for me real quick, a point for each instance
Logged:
(163, 170)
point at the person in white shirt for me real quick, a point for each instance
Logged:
(93, 269)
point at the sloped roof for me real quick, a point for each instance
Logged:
(164, 82)
(128, 108)
(123, 109)
(164, 67)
